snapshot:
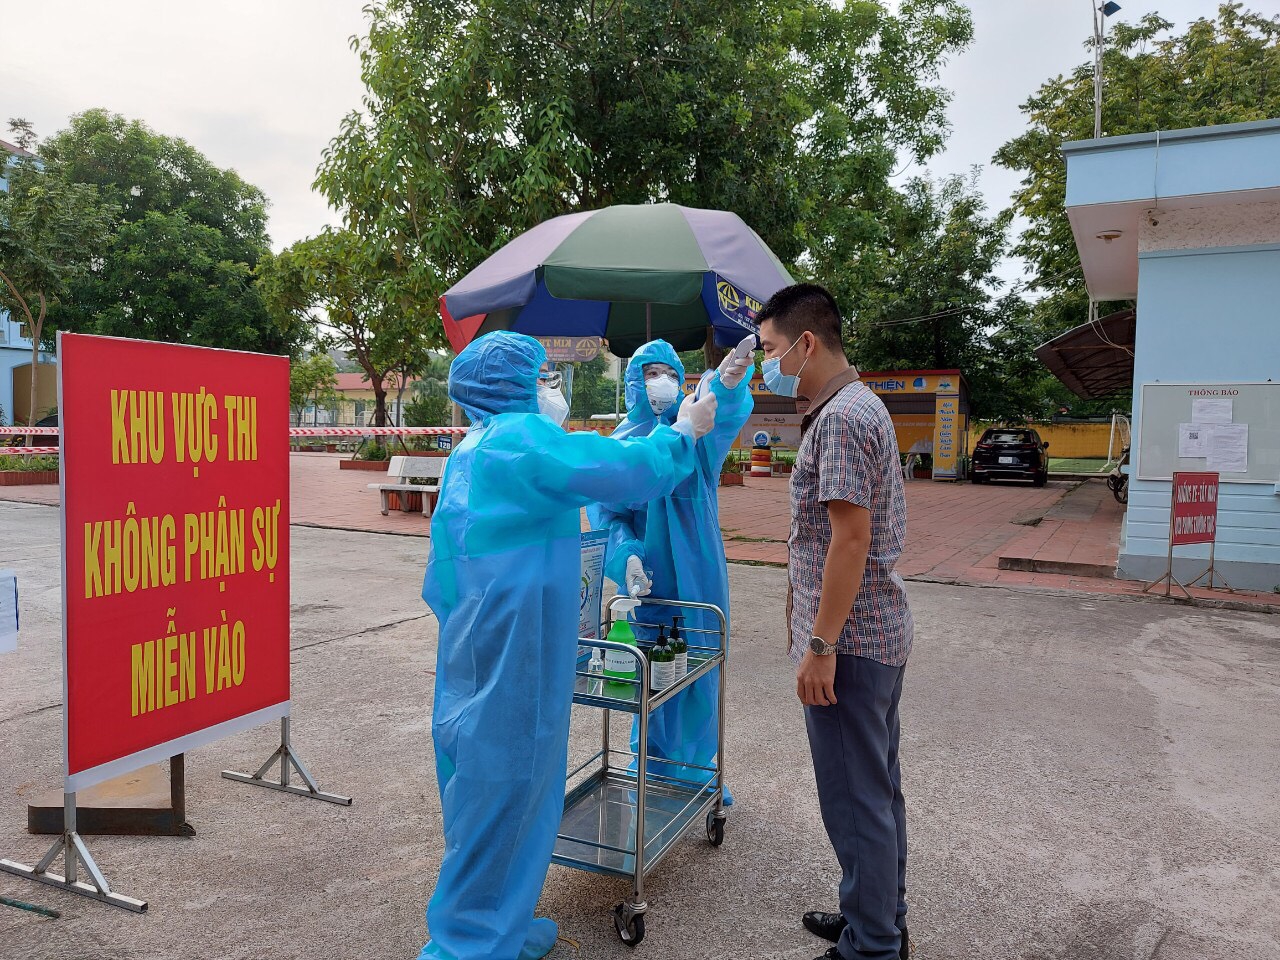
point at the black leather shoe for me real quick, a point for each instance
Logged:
(828, 926)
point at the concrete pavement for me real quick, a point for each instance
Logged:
(1087, 777)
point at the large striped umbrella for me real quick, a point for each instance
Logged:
(627, 273)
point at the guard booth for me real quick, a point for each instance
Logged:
(930, 411)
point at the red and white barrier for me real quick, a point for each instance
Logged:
(28, 431)
(376, 431)
(27, 451)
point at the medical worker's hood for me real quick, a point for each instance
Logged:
(497, 373)
(655, 351)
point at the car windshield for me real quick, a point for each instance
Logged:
(1010, 436)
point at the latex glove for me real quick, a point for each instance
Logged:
(697, 417)
(638, 585)
(738, 362)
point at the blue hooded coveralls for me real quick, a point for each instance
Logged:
(678, 537)
(502, 580)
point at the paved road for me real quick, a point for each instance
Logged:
(1087, 778)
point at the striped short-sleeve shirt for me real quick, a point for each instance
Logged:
(850, 452)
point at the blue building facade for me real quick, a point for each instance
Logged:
(1187, 223)
(15, 350)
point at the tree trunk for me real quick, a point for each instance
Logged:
(379, 404)
(36, 329)
(711, 352)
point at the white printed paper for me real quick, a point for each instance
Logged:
(1229, 448)
(8, 611)
(1211, 410)
(1193, 440)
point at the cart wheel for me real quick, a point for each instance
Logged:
(715, 829)
(629, 933)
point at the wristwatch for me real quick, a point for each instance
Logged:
(820, 647)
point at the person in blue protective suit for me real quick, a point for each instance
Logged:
(677, 538)
(502, 580)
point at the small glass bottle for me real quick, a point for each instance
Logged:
(595, 671)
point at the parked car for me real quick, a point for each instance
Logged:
(20, 440)
(1010, 453)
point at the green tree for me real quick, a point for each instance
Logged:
(312, 379)
(932, 303)
(1224, 69)
(327, 284)
(593, 389)
(483, 119)
(52, 234)
(430, 406)
(179, 264)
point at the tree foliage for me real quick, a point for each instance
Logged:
(482, 119)
(312, 379)
(1222, 69)
(52, 235)
(179, 265)
(327, 284)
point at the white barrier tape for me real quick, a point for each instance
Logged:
(27, 451)
(28, 431)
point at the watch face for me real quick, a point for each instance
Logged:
(819, 646)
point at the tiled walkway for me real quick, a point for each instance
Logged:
(1064, 536)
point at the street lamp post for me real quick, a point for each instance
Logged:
(1100, 14)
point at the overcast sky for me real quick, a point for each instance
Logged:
(260, 85)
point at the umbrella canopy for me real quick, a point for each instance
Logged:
(627, 273)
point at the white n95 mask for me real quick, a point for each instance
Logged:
(551, 403)
(662, 392)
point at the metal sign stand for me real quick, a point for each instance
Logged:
(1168, 579)
(1212, 573)
(74, 853)
(288, 758)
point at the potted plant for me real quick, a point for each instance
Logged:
(730, 470)
(25, 470)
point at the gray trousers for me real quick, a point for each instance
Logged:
(855, 760)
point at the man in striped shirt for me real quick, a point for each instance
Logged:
(850, 627)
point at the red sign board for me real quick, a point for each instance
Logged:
(175, 514)
(1194, 517)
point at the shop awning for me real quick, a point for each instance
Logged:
(1095, 359)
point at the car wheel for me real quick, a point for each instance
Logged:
(974, 478)
(1040, 479)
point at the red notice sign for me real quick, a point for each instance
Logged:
(175, 534)
(1194, 518)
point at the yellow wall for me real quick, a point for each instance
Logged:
(46, 391)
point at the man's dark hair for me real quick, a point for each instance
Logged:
(801, 307)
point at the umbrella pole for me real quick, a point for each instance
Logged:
(648, 321)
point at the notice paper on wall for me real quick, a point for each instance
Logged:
(1229, 448)
(1193, 440)
(1211, 410)
(8, 611)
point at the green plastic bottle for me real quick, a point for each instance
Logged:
(662, 662)
(620, 665)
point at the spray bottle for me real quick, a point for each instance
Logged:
(617, 664)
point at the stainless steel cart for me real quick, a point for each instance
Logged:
(602, 831)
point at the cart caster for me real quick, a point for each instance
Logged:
(715, 828)
(630, 926)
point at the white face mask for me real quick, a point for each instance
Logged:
(551, 403)
(662, 392)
